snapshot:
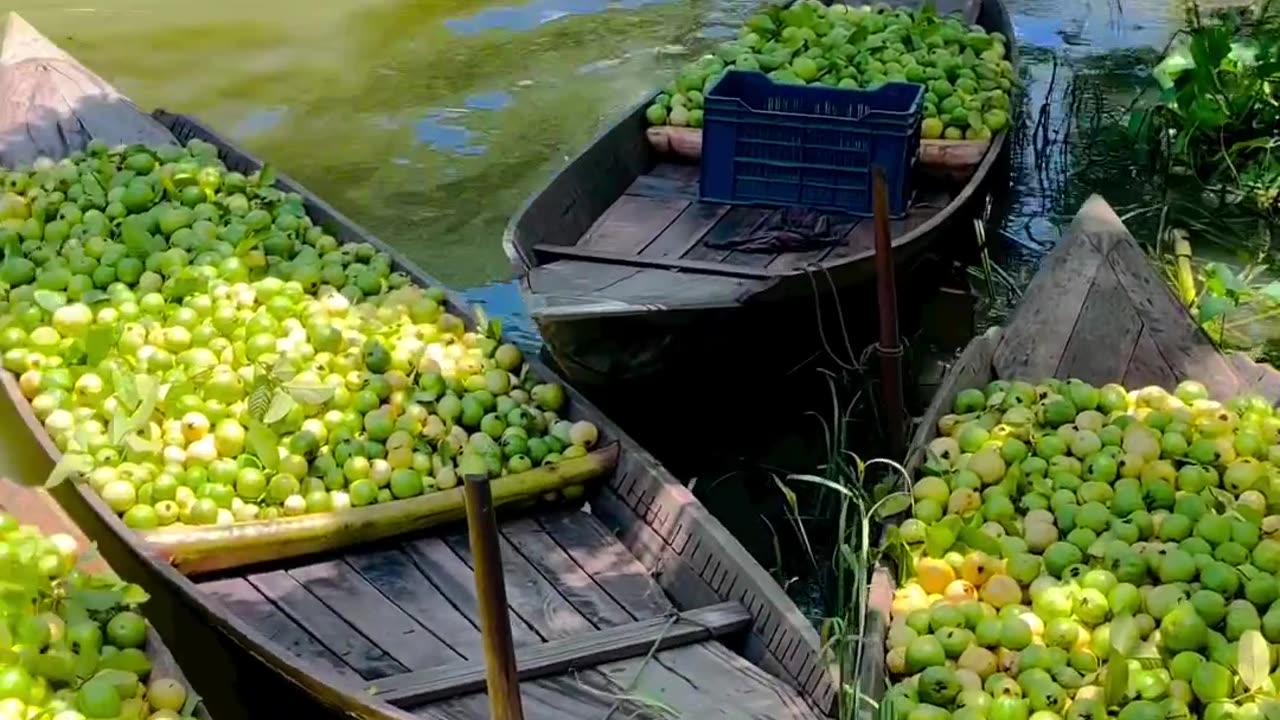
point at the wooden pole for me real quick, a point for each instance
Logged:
(491, 591)
(889, 349)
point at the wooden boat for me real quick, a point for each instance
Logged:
(614, 266)
(33, 506)
(1097, 310)
(637, 605)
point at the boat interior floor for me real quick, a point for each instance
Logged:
(659, 222)
(595, 636)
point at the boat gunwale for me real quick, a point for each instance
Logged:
(656, 494)
(521, 253)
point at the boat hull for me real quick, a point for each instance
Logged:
(648, 343)
(1097, 310)
(777, 329)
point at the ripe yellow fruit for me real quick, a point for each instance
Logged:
(896, 660)
(969, 680)
(908, 599)
(978, 660)
(1001, 590)
(959, 591)
(934, 575)
(978, 567)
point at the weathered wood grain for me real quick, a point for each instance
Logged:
(1147, 365)
(1105, 334)
(276, 627)
(1039, 329)
(341, 588)
(325, 624)
(567, 654)
(604, 558)
(1180, 340)
(53, 105)
(455, 580)
(530, 595)
(632, 223)
(541, 551)
(737, 222)
(686, 231)
(396, 577)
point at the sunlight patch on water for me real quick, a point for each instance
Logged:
(496, 100)
(520, 18)
(436, 131)
(259, 121)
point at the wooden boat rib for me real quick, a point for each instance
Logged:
(614, 266)
(33, 506)
(1097, 310)
(390, 630)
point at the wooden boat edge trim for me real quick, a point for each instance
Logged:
(204, 549)
(693, 538)
(594, 648)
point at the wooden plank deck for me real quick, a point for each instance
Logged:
(659, 219)
(396, 619)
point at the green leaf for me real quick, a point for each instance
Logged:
(118, 678)
(99, 343)
(134, 595)
(264, 444)
(1116, 686)
(938, 539)
(193, 702)
(248, 243)
(149, 395)
(50, 300)
(97, 599)
(1270, 291)
(93, 296)
(141, 445)
(267, 176)
(281, 403)
(68, 466)
(1254, 663)
(125, 389)
(979, 540)
(495, 328)
(893, 504)
(260, 399)
(1212, 307)
(1124, 634)
(1270, 708)
(310, 394)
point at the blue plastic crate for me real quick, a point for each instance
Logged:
(765, 143)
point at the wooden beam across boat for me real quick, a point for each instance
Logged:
(306, 634)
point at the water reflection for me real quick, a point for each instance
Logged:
(526, 17)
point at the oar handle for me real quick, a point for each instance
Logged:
(491, 591)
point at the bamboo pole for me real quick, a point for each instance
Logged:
(202, 549)
(887, 294)
(491, 591)
(1186, 278)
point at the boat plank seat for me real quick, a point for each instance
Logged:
(402, 622)
(659, 222)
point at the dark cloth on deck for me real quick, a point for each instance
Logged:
(791, 230)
